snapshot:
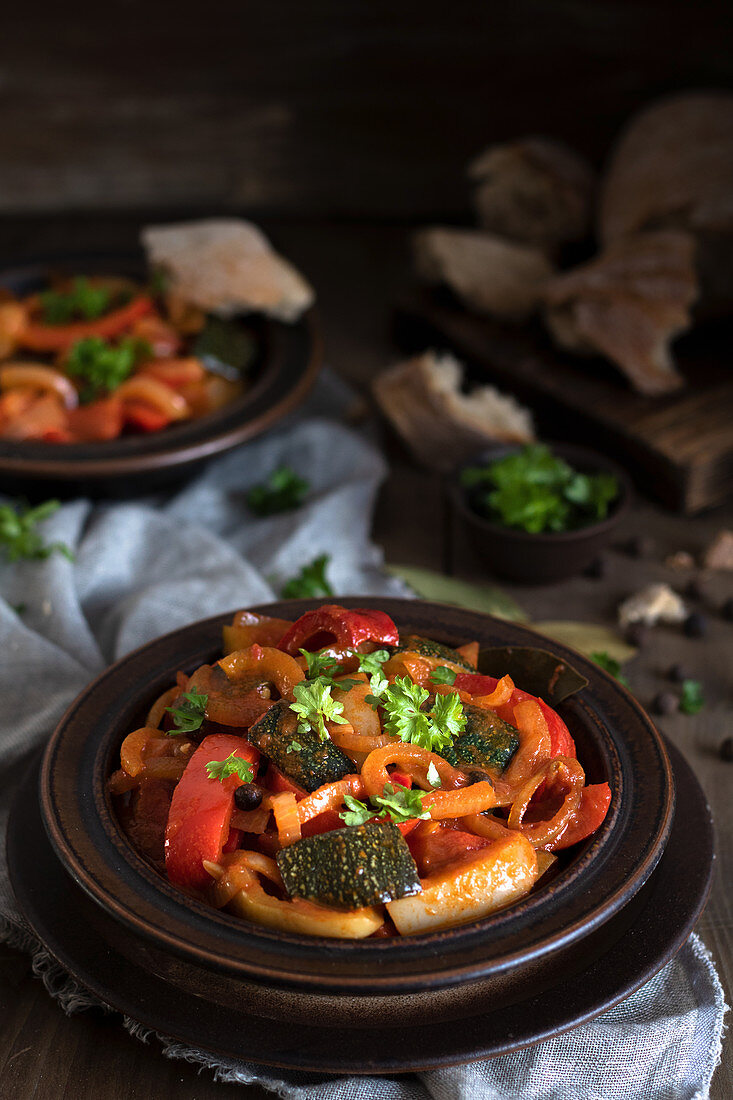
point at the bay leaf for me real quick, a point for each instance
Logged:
(534, 670)
(587, 638)
(477, 597)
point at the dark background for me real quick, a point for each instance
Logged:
(320, 108)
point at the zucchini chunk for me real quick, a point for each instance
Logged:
(426, 647)
(350, 868)
(487, 741)
(303, 757)
(490, 879)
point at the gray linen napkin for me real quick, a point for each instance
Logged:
(145, 568)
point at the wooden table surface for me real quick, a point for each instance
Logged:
(358, 270)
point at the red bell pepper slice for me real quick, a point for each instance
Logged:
(40, 337)
(201, 809)
(561, 743)
(594, 803)
(434, 849)
(144, 418)
(333, 625)
(97, 421)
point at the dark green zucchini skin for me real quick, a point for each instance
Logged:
(316, 762)
(486, 742)
(426, 647)
(350, 868)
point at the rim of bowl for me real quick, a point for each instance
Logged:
(582, 454)
(78, 815)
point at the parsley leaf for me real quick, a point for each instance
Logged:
(356, 813)
(692, 699)
(403, 717)
(233, 765)
(311, 581)
(82, 300)
(401, 803)
(443, 675)
(190, 714)
(294, 746)
(102, 366)
(448, 715)
(321, 666)
(398, 804)
(315, 706)
(534, 490)
(611, 665)
(19, 537)
(402, 702)
(283, 491)
(371, 664)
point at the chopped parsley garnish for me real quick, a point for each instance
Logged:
(321, 666)
(311, 581)
(82, 301)
(371, 664)
(233, 765)
(396, 804)
(611, 665)
(102, 366)
(443, 675)
(283, 491)
(404, 717)
(692, 699)
(534, 490)
(315, 706)
(294, 746)
(19, 537)
(189, 715)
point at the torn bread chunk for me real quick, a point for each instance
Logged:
(496, 277)
(628, 304)
(442, 426)
(535, 190)
(227, 266)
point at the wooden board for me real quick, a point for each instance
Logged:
(679, 448)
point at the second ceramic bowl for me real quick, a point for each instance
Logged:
(547, 557)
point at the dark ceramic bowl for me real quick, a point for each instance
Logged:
(288, 361)
(543, 558)
(548, 935)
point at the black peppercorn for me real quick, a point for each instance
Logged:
(640, 546)
(596, 570)
(726, 749)
(248, 796)
(665, 703)
(695, 590)
(678, 674)
(695, 625)
(727, 609)
(637, 634)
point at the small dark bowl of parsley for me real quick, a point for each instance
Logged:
(540, 513)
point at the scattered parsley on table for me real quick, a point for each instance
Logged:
(692, 699)
(282, 491)
(311, 581)
(611, 665)
(19, 534)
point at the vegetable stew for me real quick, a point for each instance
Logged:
(330, 777)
